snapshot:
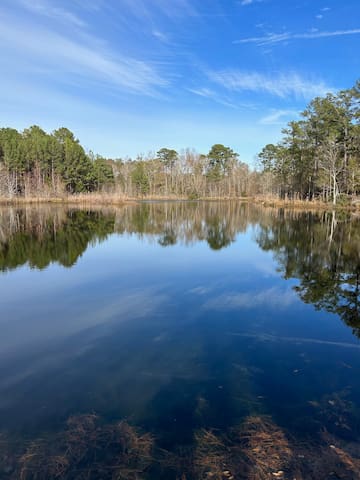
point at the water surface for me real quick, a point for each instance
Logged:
(180, 318)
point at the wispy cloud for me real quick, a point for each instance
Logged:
(280, 85)
(272, 298)
(43, 7)
(273, 38)
(149, 9)
(89, 60)
(212, 95)
(160, 35)
(249, 2)
(276, 117)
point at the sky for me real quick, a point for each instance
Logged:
(129, 77)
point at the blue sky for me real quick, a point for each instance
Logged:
(132, 76)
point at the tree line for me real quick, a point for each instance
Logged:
(36, 163)
(318, 157)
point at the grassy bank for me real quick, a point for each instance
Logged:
(80, 199)
(315, 204)
(115, 199)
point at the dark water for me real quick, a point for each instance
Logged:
(179, 317)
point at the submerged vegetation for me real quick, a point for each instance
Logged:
(86, 449)
(89, 448)
(318, 158)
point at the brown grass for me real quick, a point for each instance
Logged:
(266, 448)
(79, 199)
(88, 450)
(316, 204)
(258, 449)
(90, 199)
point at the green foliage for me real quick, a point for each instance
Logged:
(167, 157)
(320, 154)
(76, 169)
(12, 149)
(318, 157)
(221, 160)
(44, 157)
(140, 179)
(103, 172)
(193, 196)
(268, 157)
(343, 200)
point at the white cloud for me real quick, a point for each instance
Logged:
(149, 9)
(273, 38)
(43, 7)
(127, 305)
(276, 117)
(211, 95)
(160, 36)
(67, 58)
(272, 298)
(200, 290)
(249, 2)
(280, 85)
(319, 17)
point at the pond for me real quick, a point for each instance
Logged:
(179, 340)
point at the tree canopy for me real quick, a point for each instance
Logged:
(319, 155)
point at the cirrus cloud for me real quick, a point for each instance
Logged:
(280, 85)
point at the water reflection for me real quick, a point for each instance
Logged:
(40, 236)
(193, 321)
(322, 250)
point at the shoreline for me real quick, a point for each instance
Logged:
(116, 200)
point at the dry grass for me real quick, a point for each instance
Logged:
(270, 201)
(79, 199)
(258, 449)
(211, 456)
(88, 450)
(120, 199)
(316, 204)
(266, 448)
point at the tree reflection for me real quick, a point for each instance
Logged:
(38, 237)
(219, 233)
(323, 252)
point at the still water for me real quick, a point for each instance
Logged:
(197, 324)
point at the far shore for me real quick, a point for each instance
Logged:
(118, 200)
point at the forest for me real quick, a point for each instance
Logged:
(318, 157)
